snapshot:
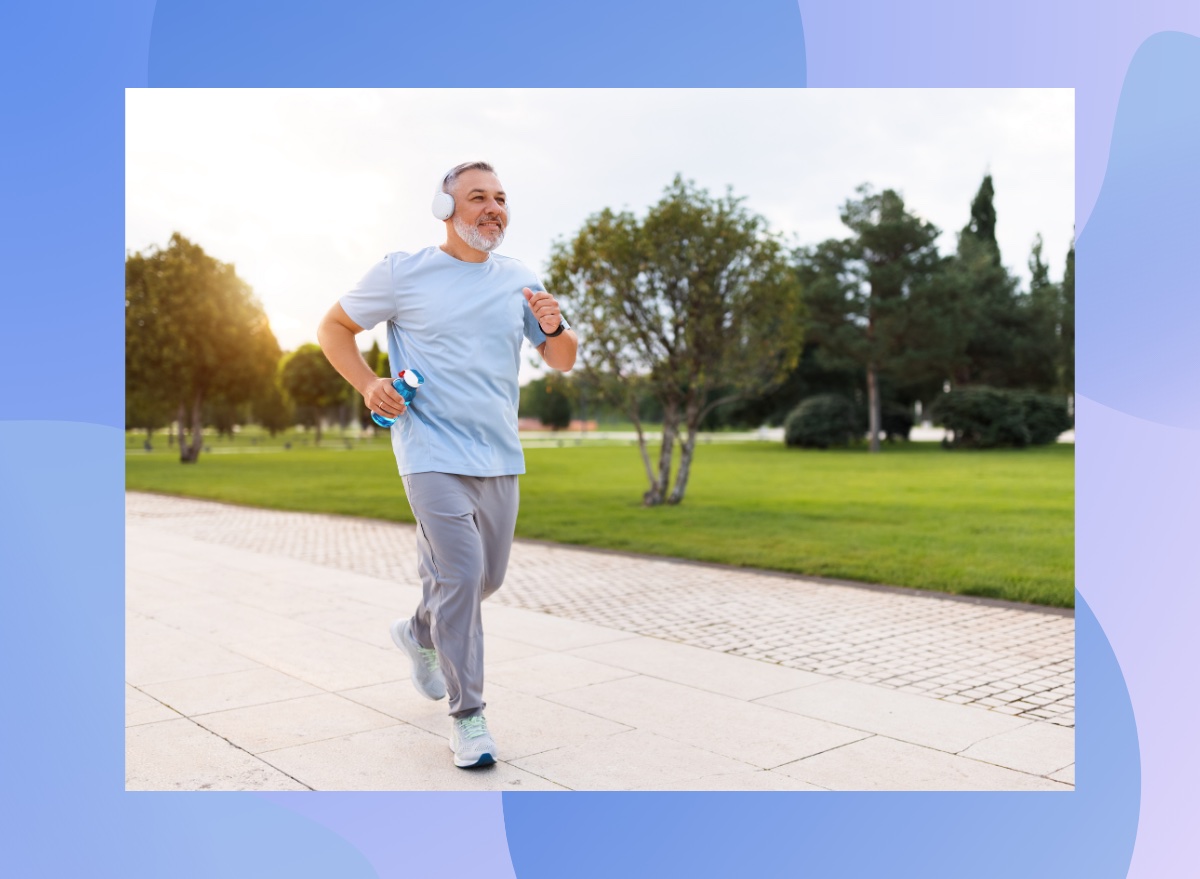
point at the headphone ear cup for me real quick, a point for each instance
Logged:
(443, 205)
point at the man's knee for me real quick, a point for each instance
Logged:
(490, 587)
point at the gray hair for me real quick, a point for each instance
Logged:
(452, 175)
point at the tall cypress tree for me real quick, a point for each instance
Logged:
(1066, 350)
(990, 294)
(1036, 358)
(983, 217)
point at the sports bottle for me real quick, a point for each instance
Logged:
(406, 383)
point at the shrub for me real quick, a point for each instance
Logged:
(981, 417)
(897, 421)
(1045, 416)
(822, 421)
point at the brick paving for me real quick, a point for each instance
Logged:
(1011, 659)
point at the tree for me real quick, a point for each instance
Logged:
(312, 383)
(193, 333)
(875, 298)
(696, 305)
(555, 408)
(271, 408)
(996, 323)
(146, 412)
(1066, 351)
(1036, 347)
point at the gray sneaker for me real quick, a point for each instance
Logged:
(471, 742)
(426, 673)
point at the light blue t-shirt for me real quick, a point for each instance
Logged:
(460, 325)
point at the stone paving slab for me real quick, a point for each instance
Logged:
(633, 759)
(761, 736)
(881, 763)
(222, 692)
(903, 716)
(1013, 659)
(1036, 748)
(399, 757)
(696, 667)
(181, 755)
(252, 669)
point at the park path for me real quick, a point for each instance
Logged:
(785, 682)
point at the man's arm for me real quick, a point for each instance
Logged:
(336, 334)
(558, 352)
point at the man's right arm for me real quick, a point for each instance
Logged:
(336, 334)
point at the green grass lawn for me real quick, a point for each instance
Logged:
(996, 523)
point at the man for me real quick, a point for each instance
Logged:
(456, 313)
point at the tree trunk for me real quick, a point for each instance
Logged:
(189, 453)
(641, 435)
(873, 408)
(692, 419)
(658, 489)
(685, 468)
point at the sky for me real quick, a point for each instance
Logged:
(302, 190)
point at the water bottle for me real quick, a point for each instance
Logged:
(406, 383)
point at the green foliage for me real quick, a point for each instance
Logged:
(549, 400)
(377, 359)
(193, 333)
(1045, 416)
(983, 417)
(823, 421)
(1066, 347)
(312, 383)
(897, 420)
(982, 226)
(877, 299)
(1035, 363)
(272, 410)
(1010, 337)
(695, 305)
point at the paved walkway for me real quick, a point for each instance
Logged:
(258, 658)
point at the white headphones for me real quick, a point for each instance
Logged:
(443, 202)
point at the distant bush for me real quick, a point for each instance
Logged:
(987, 418)
(822, 421)
(1045, 416)
(897, 420)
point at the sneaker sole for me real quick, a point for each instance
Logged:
(483, 760)
(397, 629)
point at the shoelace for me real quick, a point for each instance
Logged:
(430, 657)
(473, 727)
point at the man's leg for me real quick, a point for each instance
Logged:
(497, 520)
(451, 565)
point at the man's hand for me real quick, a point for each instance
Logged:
(545, 309)
(383, 399)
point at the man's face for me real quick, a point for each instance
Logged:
(480, 210)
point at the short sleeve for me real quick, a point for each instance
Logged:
(533, 330)
(373, 299)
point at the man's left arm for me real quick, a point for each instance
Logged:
(558, 351)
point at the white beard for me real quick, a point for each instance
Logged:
(475, 239)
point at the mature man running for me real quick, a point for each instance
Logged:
(456, 313)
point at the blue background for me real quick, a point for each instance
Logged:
(1135, 72)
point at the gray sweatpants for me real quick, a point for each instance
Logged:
(465, 528)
